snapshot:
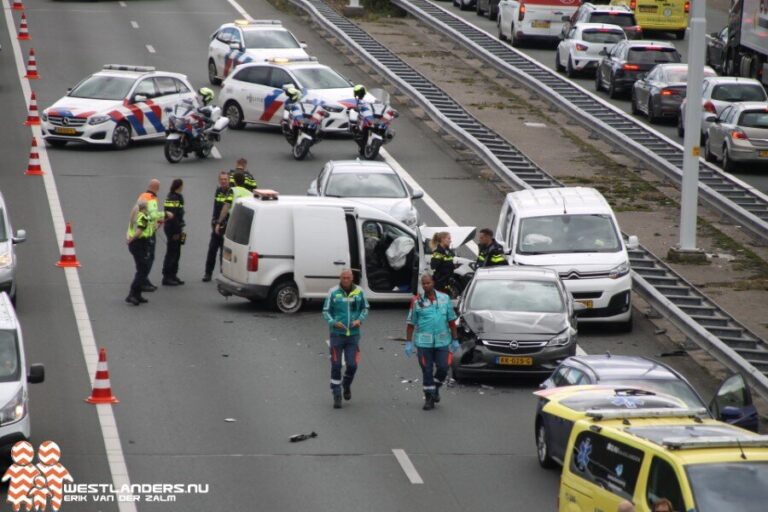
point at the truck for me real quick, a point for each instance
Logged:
(746, 46)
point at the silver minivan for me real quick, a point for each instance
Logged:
(8, 243)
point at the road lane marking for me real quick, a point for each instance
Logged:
(134, 24)
(122, 4)
(150, 48)
(215, 153)
(113, 448)
(240, 9)
(407, 465)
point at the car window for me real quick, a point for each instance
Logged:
(239, 225)
(320, 78)
(147, 88)
(225, 35)
(672, 387)
(258, 75)
(236, 37)
(9, 356)
(725, 114)
(555, 234)
(754, 119)
(739, 92)
(270, 39)
(103, 88)
(602, 36)
(606, 463)
(652, 55)
(279, 78)
(507, 219)
(516, 295)
(577, 377)
(181, 86)
(622, 19)
(166, 85)
(719, 486)
(663, 483)
(559, 376)
(365, 184)
(653, 75)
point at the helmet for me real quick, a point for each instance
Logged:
(359, 91)
(293, 93)
(206, 94)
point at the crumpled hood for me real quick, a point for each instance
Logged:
(398, 208)
(500, 325)
(564, 262)
(81, 107)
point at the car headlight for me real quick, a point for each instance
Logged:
(6, 259)
(98, 119)
(619, 270)
(15, 409)
(564, 338)
(44, 117)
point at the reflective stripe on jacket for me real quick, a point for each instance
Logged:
(142, 223)
(344, 307)
(431, 320)
(491, 255)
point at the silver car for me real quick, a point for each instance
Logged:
(738, 135)
(8, 252)
(660, 93)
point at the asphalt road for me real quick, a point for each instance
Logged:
(545, 54)
(190, 360)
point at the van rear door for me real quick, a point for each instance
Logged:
(234, 264)
(321, 248)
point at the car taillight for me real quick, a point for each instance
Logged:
(253, 262)
(738, 134)
(633, 4)
(630, 67)
(667, 92)
(710, 107)
(581, 47)
(521, 13)
(687, 7)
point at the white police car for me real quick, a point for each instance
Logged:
(254, 94)
(249, 41)
(115, 106)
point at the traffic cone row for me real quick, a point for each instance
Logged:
(23, 29)
(33, 168)
(32, 66)
(68, 256)
(33, 117)
(102, 389)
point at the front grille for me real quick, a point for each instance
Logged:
(587, 295)
(523, 347)
(574, 274)
(72, 122)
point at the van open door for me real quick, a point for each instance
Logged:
(321, 248)
(733, 404)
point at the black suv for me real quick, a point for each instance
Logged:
(630, 60)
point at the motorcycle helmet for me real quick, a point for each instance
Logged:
(359, 91)
(293, 94)
(206, 94)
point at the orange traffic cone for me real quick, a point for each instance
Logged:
(102, 389)
(33, 117)
(33, 168)
(23, 29)
(68, 256)
(17, 5)
(32, 66)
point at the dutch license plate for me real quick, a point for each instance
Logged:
(540, 23)
(586, 302)
(227, 255)
(763, 153)
(514, 361)
(649, 8)
(66, 131)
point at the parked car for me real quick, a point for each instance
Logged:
(619, 15)
(738, 135)
(716, 48)
(581, 46)
(660, 93)
(630, 60)
(8, 242)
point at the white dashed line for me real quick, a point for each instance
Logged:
(407, 465)
(150, 48)
(134, 24)
(123, 4)
(240, 9)
(215, 153)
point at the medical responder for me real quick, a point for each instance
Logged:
(442, 263)
(242, 166)
(490, 253)
(137, 238)
(345, 309)
(174, 233)
(431, 326)
(156, 217)
(221, 196)
(238, 191)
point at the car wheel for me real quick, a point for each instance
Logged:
(514, 40)
(569, 69)
(212, 73)
(492, 14)
(728, 164)
(462, 7)
(680, 35)
(680, 125)
(502, 37)
(56, 143)
(284, 297)
(612, 91)
(558, 64)
(598, 81)
(708, 155)
(652, 118)
(625, 326)
(542, 447)
(235, 115)
(121, 136)
(633, 104)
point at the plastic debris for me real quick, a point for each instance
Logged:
(303, 437)
(230, 420)
(485, 386)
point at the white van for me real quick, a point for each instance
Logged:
(14, 396)
(574, 231)
(289, 248)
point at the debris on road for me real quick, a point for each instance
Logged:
(303, 437)
(230, 420)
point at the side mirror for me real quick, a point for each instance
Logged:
(21, 237)
(304, 45)
(633, 242)
(139, 98)
(729, 414)
(417, 194)
(69, 90)
(711, 118)
(36, 374)
(235, 45)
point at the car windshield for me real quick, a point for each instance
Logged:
(652, 55)
(568, 234)
(676, 388)
(680, 74)
(320, 78)
(591, 401)
(101, 87)
(741, 486)
(269, 39)
(754, 119)
(516, 295)
(739, 92)
(9, 356)
(613, 18)
(602, 36)
(365, 184)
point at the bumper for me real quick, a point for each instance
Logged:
(607, 300)
(584, 63)
(228, 287)
(92, 134)
(12, 434)
(669, 107)
(473, 359)
(527, 32)
(748, 155)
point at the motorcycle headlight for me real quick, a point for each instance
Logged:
(98, 119)
(564, 338)
(44, 117)
(6, 259)
(619, 270)
(15, 409)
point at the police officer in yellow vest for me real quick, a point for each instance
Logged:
(221, 197)
(238, 191)
(137, 238)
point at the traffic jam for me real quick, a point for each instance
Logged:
(335, 326)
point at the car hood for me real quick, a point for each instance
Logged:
(500, 325)
(260, 55)
(398, 208)
(81, 107)
(564, 262)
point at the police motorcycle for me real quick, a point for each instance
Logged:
(302, 122)
(370, 121)
(192, 129)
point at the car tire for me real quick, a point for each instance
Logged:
(728, 164)
(121, 136)
(680, 35)
(633, 104)
(284, 297)
(462, 7)
(598, 81)
(502, 37)
(491, 13)
(709, 156)
(235, 115)
(613, 93)
(212, 73)
(569, 71)
(558, 64)
(514, 40)
(478, 10)
(542, 447)
(626, 326)
(652, 118)
(56, 143)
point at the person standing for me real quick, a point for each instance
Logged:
(431, 325)
(156, 217)
(345, 309)
(238, 191)
(137, 239)
(442, 263)
(242, 167)
(221, 196)
(174, 233)
(491, 252)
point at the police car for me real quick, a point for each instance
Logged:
(254, 93)
(249, 41)
(115, 106)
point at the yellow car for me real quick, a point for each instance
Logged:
(646, 455)
(662, 15)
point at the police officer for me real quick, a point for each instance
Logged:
(345, 309)
(442, 263)
(221, 196)
(358, 91)
(431, 325)
(238, 191)
(242, 166)
(156, 217)
(137, 238)
(491, 252)
(174, 233)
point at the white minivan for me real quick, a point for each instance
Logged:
(286, 249)
(574, 231)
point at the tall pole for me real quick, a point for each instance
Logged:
(689, 203)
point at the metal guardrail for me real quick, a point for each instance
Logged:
(733, 198)
(703, 321)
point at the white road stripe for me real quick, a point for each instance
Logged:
(110, 435)
(123, 4)
(407, 465)
(150, 48)
(134, 24)
(240, 9)
(215, 153)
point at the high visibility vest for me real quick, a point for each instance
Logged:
(143, 223)
(238, 192)
(153, 211)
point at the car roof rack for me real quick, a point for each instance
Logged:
(127, 67)
(265, 194)
(247, 23)
(687, 443)
(612, 414)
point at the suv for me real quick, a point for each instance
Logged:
(628, 61)
(8, 243)
(607, 14)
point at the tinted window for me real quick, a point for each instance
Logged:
(516, 295)
(651, 55)
(663, 483)
(559, 378)
(680, 74)
(9, 357)
(741, 486)
(166, 85)
(754, 119)
(576, 377)
(614, 18)
(279, 78)
(239, 226)
(602, 36)
(103, 88)
(738, 92)
(320, 78)
(609, 464)
(365, 184)
(567, 234)
(270, 39)
(258, 75)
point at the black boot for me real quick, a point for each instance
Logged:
(347, 393)
(429, 402)
(178, 281)
(337, 401)
(169, 281)
(206, 278)
(436, 396)
(131, 299)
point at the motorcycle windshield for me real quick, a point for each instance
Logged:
(381, 95)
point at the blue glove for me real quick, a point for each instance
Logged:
(454, 346)
(408, 349)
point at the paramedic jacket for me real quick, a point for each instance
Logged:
(344, 307)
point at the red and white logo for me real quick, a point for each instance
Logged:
(31, 484)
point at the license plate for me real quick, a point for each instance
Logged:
(66, 131)
(227, 255)
(649, 8)
(763, 153)
(586, 302)
(514, 361)
(540, 23)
